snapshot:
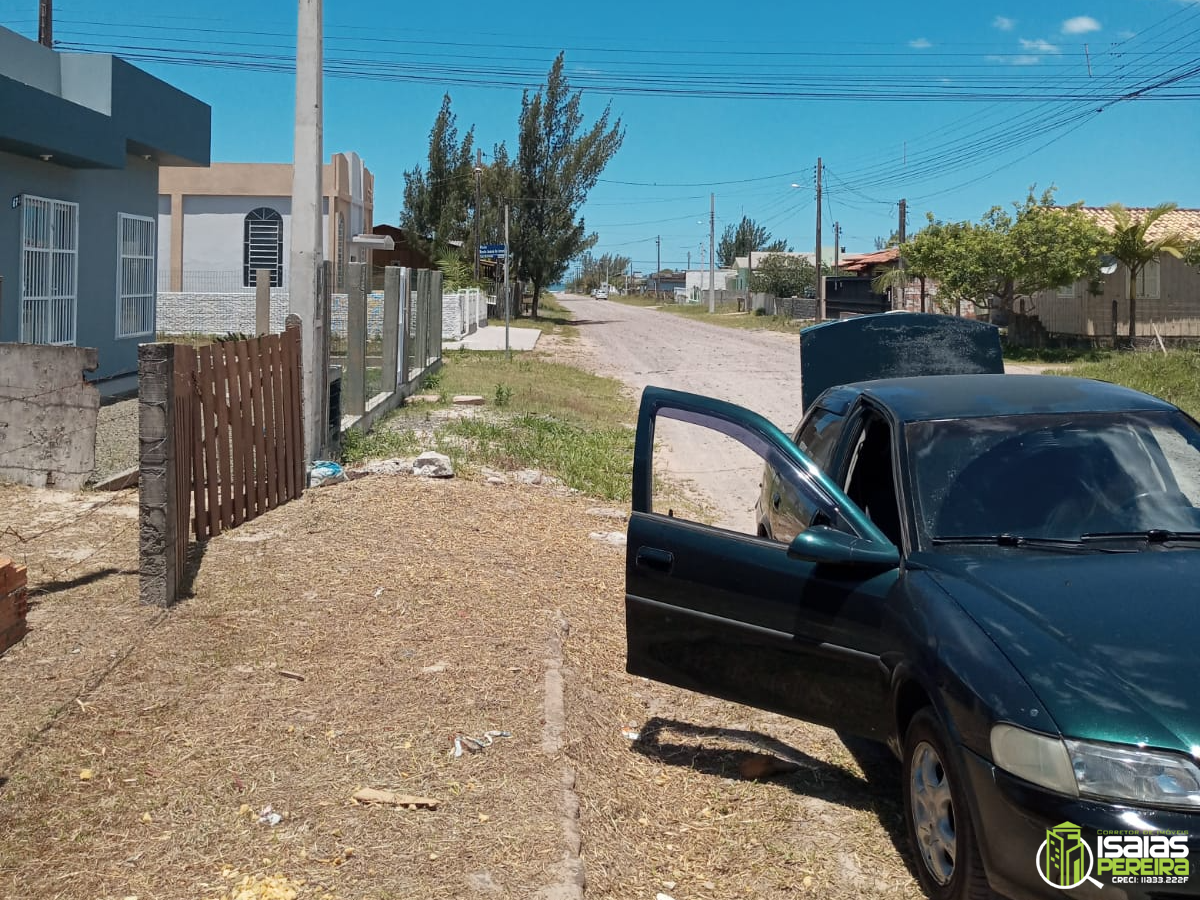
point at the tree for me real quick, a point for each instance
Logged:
(893, 240)
(438, 200)
(1008, 256)
(746, 236)
(557, 164)
(1131, 244)
(594, 272)
(783, 276)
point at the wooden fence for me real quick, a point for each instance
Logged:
(221, 442)
(245, 431)
(14, 603)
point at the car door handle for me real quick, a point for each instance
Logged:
(653, 558)
(776, 499)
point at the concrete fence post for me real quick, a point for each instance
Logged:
(391, 329)
(404, 350)
(158, 573)
(436, 316)
(354, 379)
(262, 301)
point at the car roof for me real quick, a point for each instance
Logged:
(975, 396)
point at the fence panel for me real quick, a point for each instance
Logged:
(244, 429)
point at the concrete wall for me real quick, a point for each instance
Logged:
(214, 232)
(194, 312)
(47, 415)
(101, 195)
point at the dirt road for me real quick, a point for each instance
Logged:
(756, 369)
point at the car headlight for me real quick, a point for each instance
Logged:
(1139, 776)
(1102, 771)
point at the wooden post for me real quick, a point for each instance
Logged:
(391, 328)
(354, 380)
(158, 571)
(14, 603)
(262, 301)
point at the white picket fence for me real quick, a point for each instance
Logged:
(463, 313)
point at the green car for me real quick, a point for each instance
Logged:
(991, 573)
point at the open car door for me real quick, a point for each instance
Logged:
(895, 345)
(793, 628)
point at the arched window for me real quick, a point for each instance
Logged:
(341, 252)
(263, 243)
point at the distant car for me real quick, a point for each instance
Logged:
(991, 573)
(601, 294)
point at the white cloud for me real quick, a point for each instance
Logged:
(920, 44)
(1126, 34)
(1038, 46)
(1080, 25)
(1004, 23)
(1025, 60)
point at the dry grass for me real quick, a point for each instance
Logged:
(189, 728)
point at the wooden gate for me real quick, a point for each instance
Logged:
(238, 431)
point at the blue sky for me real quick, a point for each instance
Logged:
(866, 87)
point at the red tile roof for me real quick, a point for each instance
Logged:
(1185, 221)
(863, 261)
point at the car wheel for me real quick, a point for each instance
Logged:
(940, 832)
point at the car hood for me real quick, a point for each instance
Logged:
(1110, 643)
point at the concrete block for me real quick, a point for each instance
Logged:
(47, 415)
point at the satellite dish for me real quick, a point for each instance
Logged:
(1108, 263)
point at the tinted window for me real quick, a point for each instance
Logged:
(818, 437)
(1056, 476)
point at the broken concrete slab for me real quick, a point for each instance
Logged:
(433, 465)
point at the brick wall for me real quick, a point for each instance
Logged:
(14, 603)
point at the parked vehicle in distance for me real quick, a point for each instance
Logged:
(600, 293)
(993, 574)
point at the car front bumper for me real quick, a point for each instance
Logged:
(1012, 818)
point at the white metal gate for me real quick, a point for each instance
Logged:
(49, 270)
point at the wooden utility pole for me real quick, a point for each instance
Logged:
(712, 246)
(46, 23)
(900, 256)
(478, 175)
(820, 282)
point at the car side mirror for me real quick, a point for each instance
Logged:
(822, 544)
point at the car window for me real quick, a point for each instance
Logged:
(1056, 476)
(818, 436)
(870, 478)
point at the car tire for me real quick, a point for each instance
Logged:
(941, 834)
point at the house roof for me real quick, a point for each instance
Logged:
(863, 261)
(1185, 221)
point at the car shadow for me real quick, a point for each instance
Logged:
(683, 744)
(582, 322)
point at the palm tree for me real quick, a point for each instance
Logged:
(1131, 245)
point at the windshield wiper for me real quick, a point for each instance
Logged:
(1152, 536)
(1012, 540)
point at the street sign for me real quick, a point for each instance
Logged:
(491, 251)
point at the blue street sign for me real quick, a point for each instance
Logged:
(491, 251)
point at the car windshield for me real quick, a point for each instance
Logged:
(1056, 477)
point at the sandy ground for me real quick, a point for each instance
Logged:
(756, 369)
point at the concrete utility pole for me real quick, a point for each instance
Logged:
(712, 246)
(304, 293)
(507, 292)
(478, 176)
(820, 283)
(900, 254)
(46, 23)
(837, 246)
(658, 263)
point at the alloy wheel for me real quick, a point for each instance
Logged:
(933, 812)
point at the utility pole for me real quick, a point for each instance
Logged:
(712, 246)
(478, 173)
(837, 247)
(657, 263)
(46, 23)
(304, 287)
(749, 275)
(689, 268)
(820, 283)
(900, 256)
(507, 292)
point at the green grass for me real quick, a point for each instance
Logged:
(635, 300)
(539, 415)
(553, 318)
(1175, 376)
(726, 315)
(1054, 355)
